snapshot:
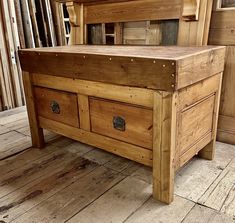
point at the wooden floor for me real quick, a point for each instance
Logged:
(71, 182)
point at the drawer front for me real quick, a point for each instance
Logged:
(122, 121)
(57, 105)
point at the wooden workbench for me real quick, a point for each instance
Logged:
(155, 105)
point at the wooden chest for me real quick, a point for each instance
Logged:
(155, 105)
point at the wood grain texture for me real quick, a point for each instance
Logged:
(132, 11)
(209, 151)
(195, 123)
(222, 29)
(68, 108)
(131, 95)
(84, 112)
(123, 149)
(194, 69)
(164, 140)
(138, 122)
(132, 66)
(36, 131)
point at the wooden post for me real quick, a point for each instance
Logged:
(75, 11)
(164, 124)
(208, 152)
(84, 113)
(36, 132)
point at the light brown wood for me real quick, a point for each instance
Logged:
(175, 70)
(163, 145)
(130, 95)
(132, 11)
(191, 9)
(84, 112)
(67, 110)
(162, 129)
(222, 28)
(195, 33)
(138, 122)
(222, 33)
(36, 131)
(123, 149)
(193, 69)
(209, 151)
(196, 92)
(195, 122)
(75, 11)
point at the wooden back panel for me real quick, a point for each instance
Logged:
(194, 16)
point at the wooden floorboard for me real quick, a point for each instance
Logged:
(72, 182)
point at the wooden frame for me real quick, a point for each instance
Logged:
(194, 16)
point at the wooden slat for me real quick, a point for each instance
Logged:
(195, 33)
(129, 151)
(222, 28)
(164, 141)
(27, 24)
(32, 12)
(120, 207)
(195, 123)
(84, 112)
(134, 72)
(208, 152)
(132, 11)
(198, 91)
(36, 132)
(130, 95)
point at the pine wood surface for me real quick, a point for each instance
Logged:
(70, 182)
(222, 33)
(135, 66)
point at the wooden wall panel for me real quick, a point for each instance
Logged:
(222, 32)
(127, 11)
(226, 128)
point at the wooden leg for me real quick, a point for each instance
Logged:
(36, 132)
(208, 152)
(164, 122)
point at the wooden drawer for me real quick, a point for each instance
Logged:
(57, 105)
(122, 121)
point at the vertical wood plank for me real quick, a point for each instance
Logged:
(84, 112)
(118, 32)
(208, 152)
(36, 131)
(75, 11)
(164, 124)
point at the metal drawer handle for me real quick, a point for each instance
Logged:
(55, 107)
(119, 123)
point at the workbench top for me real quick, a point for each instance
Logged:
(148, 52)
(156, 67)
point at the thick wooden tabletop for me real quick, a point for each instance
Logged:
(156, 67)
(148, 52)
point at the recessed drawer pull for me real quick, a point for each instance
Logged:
(119, 123)
(55, 107)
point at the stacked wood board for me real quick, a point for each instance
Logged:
(23, 24)
(222, 32)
